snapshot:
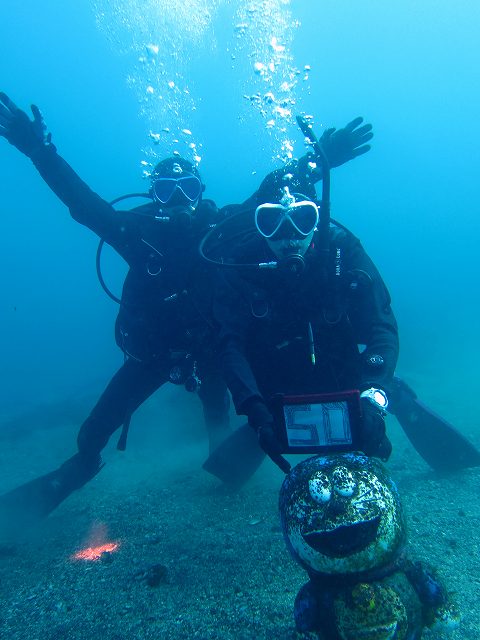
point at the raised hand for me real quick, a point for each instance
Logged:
(342, 145)
(15, 126)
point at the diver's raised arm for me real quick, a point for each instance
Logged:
(30, 137)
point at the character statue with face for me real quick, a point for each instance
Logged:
(343, 522)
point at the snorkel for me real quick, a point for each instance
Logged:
(324, 222)
(241, 226)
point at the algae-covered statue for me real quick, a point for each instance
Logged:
(343, 522)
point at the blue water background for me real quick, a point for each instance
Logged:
(410, 68)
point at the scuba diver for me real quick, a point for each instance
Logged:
(294, 326)
(303, 310)
(164, 325)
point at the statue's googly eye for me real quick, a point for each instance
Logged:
(343, 482)
(319, 487)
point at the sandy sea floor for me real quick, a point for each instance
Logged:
(195, 561)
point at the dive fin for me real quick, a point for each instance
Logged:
(442, 446)
(237, 458)
(27, 505)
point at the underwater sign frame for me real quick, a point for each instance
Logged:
(319, 423)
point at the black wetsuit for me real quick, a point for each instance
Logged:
(265, 339)
(164, 315)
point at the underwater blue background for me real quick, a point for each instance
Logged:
(409, 68)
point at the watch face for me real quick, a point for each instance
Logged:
(377, 396)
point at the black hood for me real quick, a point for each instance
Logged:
(165, 168)
(294, 175)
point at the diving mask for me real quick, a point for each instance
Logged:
(171, 191)
(300, 213)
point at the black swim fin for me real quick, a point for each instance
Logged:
(27, 505)
(237, 458)
(442, 446)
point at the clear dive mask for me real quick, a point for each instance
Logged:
(294, 216)
(172, 191)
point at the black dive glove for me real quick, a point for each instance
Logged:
(260, 418)
(374, 441)
(28, 136)
(342, 145)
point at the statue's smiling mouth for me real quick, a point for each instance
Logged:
(343, 540)
(382, 631)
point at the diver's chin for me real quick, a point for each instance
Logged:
(181, 216)
(292, 263)
(290, 259)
